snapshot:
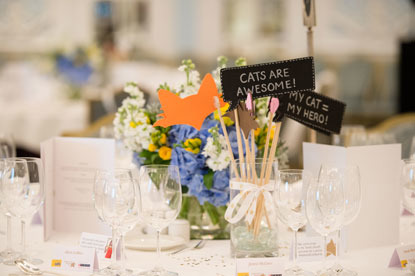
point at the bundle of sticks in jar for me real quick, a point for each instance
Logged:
(245, 170)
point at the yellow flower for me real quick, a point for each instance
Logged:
(152, 147)
(148, 120)
(165, 153)
(189, 149)
(163, 139)
(257, 132)
(226, 120)
(187, 143)
(196, 151)
(133, 124)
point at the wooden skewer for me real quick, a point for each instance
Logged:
(240, 149)
(225, 133)
(272, 151)
(264, 158)
(248, 159)
(253, 161)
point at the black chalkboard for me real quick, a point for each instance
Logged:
(314, 110)
(267, 79)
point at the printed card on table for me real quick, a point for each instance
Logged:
(70, 166)
(74, 259)
(380, 167)
(402, 256)
(260, 266)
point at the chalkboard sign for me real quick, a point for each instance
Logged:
(267, 79)
(314, 110)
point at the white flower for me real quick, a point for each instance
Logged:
(182, 68)
(215, 150)
(132, 125)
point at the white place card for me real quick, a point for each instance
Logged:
(70, 166)
(260, 266)
(74, 259)
(402, 256)
(310, 249)
(380, 167)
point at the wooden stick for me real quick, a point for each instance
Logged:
(264, 158)
(240, 150)
(225, 133)
(253, 161)
(272, 152)
(248, 159)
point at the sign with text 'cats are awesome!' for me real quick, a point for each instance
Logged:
(267, 79)
(314, 110)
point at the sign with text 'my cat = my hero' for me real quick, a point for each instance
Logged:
(267, 79)
(314, 110)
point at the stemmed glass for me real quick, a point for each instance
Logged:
(117, 201)
(325, 207)
(7, 145)
(23, 192)
(352, 189)
(289, 197)
(161, 196)
(408, 186)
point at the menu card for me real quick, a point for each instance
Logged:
(380, 165)
(70, 165)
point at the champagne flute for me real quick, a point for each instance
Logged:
(325, 207)
(290, 196)
(161, 196)
(119, 199)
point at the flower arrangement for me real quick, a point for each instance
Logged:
(202, 156)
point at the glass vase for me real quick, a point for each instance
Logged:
(255, 234)
(206, 221)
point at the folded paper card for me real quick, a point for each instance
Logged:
(70, 166)
(378, 221)
(74, 259)
(402, 256)
(260, 266)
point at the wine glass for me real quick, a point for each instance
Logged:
(412, 149)
(23, 192)
(119, 200)
(352, 190)
(161, 196)
(8, 255)
(325, 207)
(408, 186)
(290, 196)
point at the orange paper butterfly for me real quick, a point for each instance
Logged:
(191, 110)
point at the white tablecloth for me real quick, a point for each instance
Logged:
(212, 260)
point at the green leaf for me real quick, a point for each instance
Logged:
(145, 153)
(208, 179)
(212, 212)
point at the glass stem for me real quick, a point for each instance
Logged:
(9, 232)
(122, 251)
(23, 237)
(338, 246)
(325, 252)
(114, 247)
(158, 245)
(295, 248)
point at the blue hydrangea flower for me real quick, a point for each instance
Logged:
(180, 133)
(189, 164)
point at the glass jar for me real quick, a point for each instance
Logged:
(251, 211)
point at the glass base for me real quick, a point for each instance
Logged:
(339, 270)
(112, 271)
(297, 271)
(9, 256)
(157, 271)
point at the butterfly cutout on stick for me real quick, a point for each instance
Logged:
(191, 110)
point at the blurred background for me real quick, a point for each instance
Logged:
(63, 63)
